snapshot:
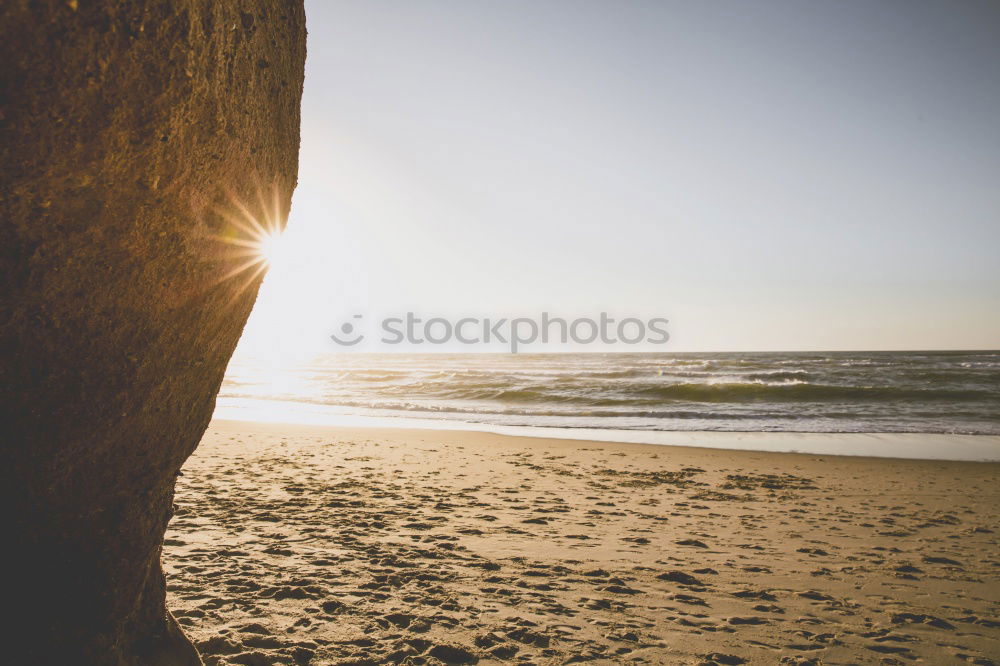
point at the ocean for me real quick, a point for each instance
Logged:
(815, 392)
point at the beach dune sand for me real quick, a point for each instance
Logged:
(311, 545)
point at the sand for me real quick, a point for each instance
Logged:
(319, 545)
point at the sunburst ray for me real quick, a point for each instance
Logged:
(249, 236)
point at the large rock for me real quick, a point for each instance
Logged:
(127, 129)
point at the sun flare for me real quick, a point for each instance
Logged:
(255, 240)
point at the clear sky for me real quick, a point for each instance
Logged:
(768, 175)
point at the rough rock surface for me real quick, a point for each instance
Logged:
(126, 129)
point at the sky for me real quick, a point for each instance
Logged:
(767, 176)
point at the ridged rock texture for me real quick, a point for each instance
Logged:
(128, 129)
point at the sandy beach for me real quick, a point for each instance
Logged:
(323, 545)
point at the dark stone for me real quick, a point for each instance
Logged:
(125, 126)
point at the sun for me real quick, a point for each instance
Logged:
(255, 240)
(271, 247)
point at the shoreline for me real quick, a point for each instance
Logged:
(896, 446)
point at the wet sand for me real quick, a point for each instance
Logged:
(320, 545)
